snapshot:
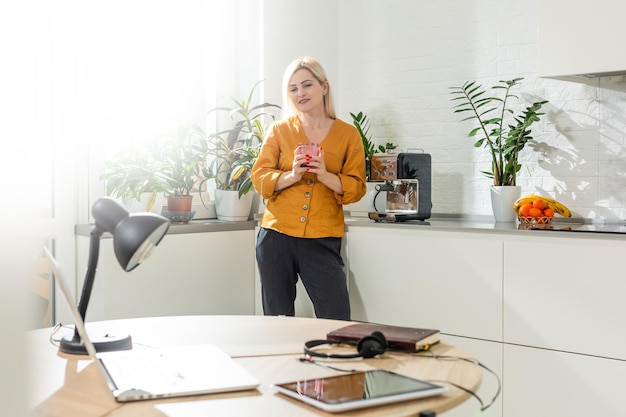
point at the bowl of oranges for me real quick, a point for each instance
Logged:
(535, 211)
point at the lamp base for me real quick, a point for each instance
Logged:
(107, 343)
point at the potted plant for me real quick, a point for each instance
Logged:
(373, 200)
(503, 133)
(361, 122)
(132, 177)
(181, 158)
(232, 153)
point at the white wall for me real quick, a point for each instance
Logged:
(295, 28)
(397, 59)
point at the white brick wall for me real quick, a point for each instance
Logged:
(398, 58)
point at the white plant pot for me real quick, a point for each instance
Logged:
(204, 207)
(229, 207)
(365, 205)
(502, 199)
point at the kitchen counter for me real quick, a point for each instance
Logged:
(451, 223)
(487, 224)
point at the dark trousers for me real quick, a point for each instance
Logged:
(281, 259)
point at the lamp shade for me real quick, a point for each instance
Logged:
(134, 235)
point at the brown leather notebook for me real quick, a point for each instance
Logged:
(398, 338)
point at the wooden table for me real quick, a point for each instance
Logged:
(269, 347)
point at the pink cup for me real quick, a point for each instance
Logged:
(312, 149)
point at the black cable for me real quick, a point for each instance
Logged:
(374, 201)
(476, 362)
(470, 392)
(55, 341)
(379, 188)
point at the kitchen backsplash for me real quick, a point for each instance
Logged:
(397, 60)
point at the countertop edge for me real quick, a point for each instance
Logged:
(569, 228)
(447, 224)
(194, 226)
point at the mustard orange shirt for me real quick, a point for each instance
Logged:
(308, 208)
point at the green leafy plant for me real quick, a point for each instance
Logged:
(132, 173)
(172, 165)
(232, 152)
(181, 159)
(493, 114)
(361, 122)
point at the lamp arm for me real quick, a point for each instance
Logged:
(90, 275)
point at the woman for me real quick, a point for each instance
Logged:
(303, 224)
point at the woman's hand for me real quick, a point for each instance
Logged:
(300, 164)
(309, 163)
(318, 167)
(288, 178)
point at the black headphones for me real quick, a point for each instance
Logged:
(366, 347)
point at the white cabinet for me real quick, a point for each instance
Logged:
(565, 348)
(539, 382)
(566, 294)
(191, 273)
(580, 37)
(544, 310)
(409, 276)
(415, 277)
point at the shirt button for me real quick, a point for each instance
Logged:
(305, 207)
(302, 219)
(307, 194)
(309, 182)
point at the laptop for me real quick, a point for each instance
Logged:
(145, 373)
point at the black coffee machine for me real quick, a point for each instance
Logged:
(407, 182)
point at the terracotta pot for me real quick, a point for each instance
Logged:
(179, 209)
(180, 203)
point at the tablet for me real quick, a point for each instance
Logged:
(358, 390)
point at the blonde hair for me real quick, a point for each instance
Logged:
(320, 75)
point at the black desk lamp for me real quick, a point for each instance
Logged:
(134, 237)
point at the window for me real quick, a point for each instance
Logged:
(88, 79)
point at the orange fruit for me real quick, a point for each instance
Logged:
(523, 210)
(539, 204)
(535, 212)
(548, 212)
